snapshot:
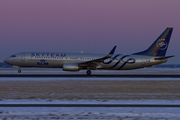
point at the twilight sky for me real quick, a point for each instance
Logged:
(93, 26)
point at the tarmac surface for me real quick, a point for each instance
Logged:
(96, 75)
(137, 75)
(54, 72)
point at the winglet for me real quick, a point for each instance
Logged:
(111, 52)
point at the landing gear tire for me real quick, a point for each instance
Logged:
(88, 72)
(19, 71)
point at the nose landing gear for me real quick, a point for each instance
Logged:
(88, 72)
(18, 67)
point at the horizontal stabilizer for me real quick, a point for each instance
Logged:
(161, 58)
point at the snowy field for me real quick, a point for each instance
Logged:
(108, 113)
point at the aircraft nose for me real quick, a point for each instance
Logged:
(7, 60)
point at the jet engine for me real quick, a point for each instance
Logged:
(70, 67)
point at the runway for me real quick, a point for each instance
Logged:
(96, 75)
(88, 105)
(55, 72)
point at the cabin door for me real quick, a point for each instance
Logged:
(23, 57)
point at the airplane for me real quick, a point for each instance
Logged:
(152, 56)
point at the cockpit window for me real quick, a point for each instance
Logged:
(13, 55)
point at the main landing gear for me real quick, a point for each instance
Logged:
(88, 72)
(19, 71)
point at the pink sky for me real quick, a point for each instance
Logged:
(87, 25)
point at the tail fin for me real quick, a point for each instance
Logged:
(159, 47)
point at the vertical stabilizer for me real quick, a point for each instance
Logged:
(159, 47)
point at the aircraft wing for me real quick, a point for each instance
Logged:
(94, 63)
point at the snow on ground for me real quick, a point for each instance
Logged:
(44, 113)
(87, 101)
(115, 113)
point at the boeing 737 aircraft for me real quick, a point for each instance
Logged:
(154, 55)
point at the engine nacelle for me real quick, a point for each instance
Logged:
(70, 67)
